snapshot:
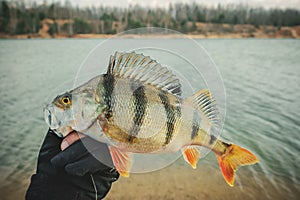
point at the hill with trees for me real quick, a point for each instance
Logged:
(65, 20)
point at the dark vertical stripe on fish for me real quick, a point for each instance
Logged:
(140, 102)
(170, 112)
(108, 84)
(195, 126)
(82, 114)
(212, 139)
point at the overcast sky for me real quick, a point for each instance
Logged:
(165, 3)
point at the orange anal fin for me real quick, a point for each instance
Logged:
(234, 157)
(191, 155)
(122, 160)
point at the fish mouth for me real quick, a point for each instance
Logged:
(54, 124)
(50, 118)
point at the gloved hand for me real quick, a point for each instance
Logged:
(73, 173)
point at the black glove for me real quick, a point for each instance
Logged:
(73, 173)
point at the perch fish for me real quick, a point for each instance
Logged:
(136, 107)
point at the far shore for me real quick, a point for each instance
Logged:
(203, 30)
(104, 36)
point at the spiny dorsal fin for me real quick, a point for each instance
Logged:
(205, 103)
(144, 69)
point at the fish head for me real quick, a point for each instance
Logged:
(76, 110)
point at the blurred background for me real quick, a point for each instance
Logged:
(230, 18)
(254, 45)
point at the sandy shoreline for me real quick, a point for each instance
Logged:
(206, 182)
(180, 181)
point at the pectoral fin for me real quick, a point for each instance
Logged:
(122, 160)
(191, 155)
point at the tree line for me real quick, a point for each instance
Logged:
(18, 18)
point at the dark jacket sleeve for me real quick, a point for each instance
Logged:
(55, 183)
(92, 186)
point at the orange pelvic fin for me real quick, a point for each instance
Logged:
(233, 157)
(122, 160)
(191, 155)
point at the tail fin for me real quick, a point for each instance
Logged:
(232, 158)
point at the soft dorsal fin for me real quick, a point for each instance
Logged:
(205, 103)
(144, 69)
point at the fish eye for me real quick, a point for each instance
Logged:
(66, 100)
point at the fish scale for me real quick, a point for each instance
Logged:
(155, 117)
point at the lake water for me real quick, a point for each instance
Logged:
(262, 81)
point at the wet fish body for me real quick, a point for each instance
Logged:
(137, 107)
